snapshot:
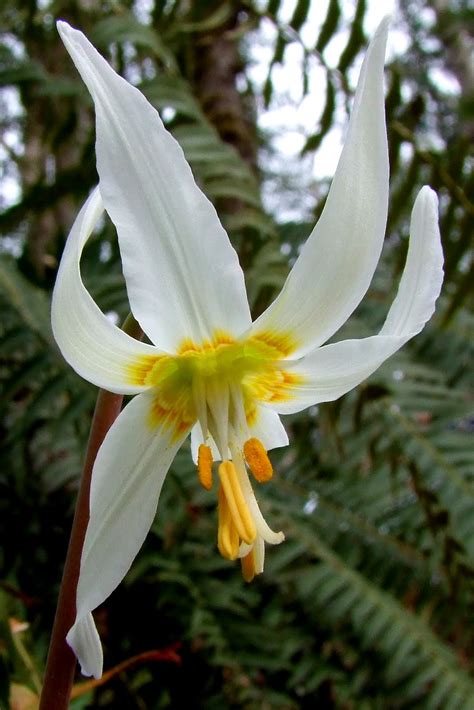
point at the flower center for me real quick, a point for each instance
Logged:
(218, 385)
(221, 384)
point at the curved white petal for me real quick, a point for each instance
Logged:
(334, 369)
(84, 640)
(98, 350)
(337, 263)
(266, 427)
(183, 276)
(422, 276)
(126, 482)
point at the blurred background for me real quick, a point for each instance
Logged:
(369, 602)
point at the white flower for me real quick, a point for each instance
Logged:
(211, 371)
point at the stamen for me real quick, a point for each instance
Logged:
(239, 418)
(205, 466)
(257, 460)
(259, 554)
(199, 395)
(248, 566)
(217, 398)
(241, 517)
(227, 535)
(264, 531)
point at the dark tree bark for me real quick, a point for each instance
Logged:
(217, 64)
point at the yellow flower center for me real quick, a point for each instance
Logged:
(218, 384)
(252, 366)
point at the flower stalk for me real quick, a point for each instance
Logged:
(61, 662)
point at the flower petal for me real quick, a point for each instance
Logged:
(84, 640)
(183, 276)
(334, 369)
(99, 351)
(126, 482)
(268, 429)
(422, 276)
(337, 263)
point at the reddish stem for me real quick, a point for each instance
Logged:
(61, 663)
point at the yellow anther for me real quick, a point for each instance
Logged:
(248, 566)
(205, 466)
(227, 535)
(257, 460)
(238, 508)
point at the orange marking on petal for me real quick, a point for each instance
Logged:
(139, 371)
(222, 338)
(250, 410)
(286, 381)
(189, 347)
(177, 415)
(280, 343)
(273, 385)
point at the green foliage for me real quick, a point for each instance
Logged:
(368, 603)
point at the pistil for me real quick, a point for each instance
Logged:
(227, 535)
(239, 511)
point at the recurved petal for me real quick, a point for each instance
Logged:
(126, 483)
(336, 265)
(183, 276)
(84, 639)
(422, 276)
(333, 370)
(98, 350)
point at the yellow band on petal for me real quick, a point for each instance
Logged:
(188, 346)
(272, 385)
(172, 410)
(143, 370)
(278, 343)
